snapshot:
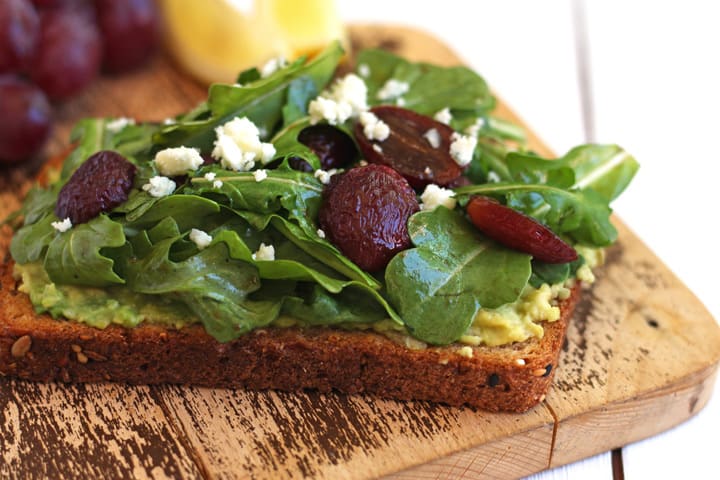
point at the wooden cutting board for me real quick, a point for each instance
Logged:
(641, 356)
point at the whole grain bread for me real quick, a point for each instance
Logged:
(508, 378)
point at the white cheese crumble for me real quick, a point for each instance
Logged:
(272, 66)
(324, 176)
(493, 177)
(200, 238)
(474, 129)
(363, 70)
(62, 226)
(434, 196)
(169, 121)
(443, 116)
(393, 89)
(321, 233)
(346, 98)
(400, 102)
(238, 145)
(217, 183)
(427, 171)
(364, 163)
(264, 253)
(210, 176)
(119, 124)
(377, 148)
(462, 148)
(260, 175)
(373, 127)
(433, 137)
(177, 161)
(159, 186)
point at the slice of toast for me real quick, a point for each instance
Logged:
(507, 378)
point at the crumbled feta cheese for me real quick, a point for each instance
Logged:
(493, 177)
(364, 163)
(427, 171)
(62, 226)
(363, 70)
(119, 124)
(329, 110)
(400, 102)
(260, 175)
(238, 145)
(474, 129)
(272, 66)
(377, 148)
(200, 238)
(321, 233)
(433, 137)
(169, 121)
(324, 176)
(177, 161)
(392, 89)
(346, 98)
(443, 116)
(264, 253)
(159, 186)
(434, 196)
(462, 148)
(217, 183)
(373, 127)
(210, 176)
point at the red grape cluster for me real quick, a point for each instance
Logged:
(50, 50)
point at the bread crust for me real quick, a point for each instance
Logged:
(510, 378)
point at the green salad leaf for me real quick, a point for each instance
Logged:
(439, 286)
(262, 101)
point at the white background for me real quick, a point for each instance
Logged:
(653, 86)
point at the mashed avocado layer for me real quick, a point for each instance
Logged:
(100, 307)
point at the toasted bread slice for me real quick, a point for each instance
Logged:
(507, 378)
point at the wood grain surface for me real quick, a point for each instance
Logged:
(641, 356)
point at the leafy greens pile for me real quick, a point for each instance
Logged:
(434, 289)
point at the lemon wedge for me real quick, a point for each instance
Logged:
(216, 39)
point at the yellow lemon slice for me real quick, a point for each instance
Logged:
(216, 39)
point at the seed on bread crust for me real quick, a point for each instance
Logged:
(76, 348)
(21, 346)
(81, 357)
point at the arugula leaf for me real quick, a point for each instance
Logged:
(431, 88)
(300, 92)
(212, 284)
(318, 307)
(186, 210)
(74, 257)
(31, 241)
(439, 286)
(262, 101)
(553, 273)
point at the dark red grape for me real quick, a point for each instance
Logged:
(408, 150)
(334, 148)
(100, 184)
(518, 231)
(19, 32)
(130, 32)
(69, 53)
(365, 212)
(25, 119)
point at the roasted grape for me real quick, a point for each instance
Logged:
(100, 184)
(25, 119)
(19, 32)
(130, 32)
(334, 148)
(418, 147)
(69, 52)
(518, 231)
(365, 212)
